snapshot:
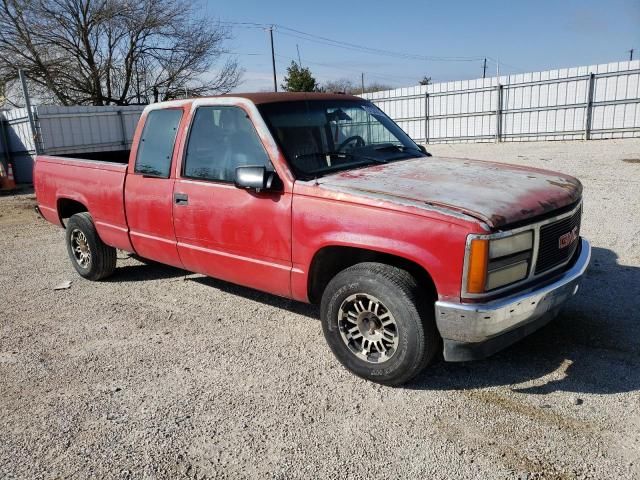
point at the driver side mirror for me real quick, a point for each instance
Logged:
(257, 178)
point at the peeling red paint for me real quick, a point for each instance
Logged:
(497, 194)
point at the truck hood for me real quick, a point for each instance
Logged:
(495, 193)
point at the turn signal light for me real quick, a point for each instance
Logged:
(477, 272)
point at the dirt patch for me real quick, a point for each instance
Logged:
(18, 208)
(151, 376)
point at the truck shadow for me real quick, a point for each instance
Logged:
(144, 271)
(592, 347)
(293, 306)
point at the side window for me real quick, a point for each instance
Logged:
(156, 144)
(221, 139)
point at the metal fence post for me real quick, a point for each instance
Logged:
(4, 139)
(27, 103)
(123, 129)
(426, 117)
(589, 112)
(499, 113)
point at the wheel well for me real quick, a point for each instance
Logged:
(329, 261)
(68, 208)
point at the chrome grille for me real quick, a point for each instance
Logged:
(550, 254)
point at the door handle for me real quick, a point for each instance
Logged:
(181, 198)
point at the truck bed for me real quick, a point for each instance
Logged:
(68, 185)
(117, 156)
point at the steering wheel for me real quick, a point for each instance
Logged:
(355, 138)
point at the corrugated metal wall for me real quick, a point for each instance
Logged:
(67, 130)
(20, 143)
(597, 101)
(86, 129)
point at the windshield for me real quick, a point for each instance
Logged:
(324, 136)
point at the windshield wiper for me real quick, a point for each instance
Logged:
(397, 148)
(341, 154)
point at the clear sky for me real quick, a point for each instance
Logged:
(522, 35)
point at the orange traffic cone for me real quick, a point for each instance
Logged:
(7, 181)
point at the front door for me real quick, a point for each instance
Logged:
(236, 235)
(149, 189)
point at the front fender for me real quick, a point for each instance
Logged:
(435, 245)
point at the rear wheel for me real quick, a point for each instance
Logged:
(378, 323)
(90, 256)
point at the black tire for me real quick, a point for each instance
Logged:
(81, 231)
(412, 312)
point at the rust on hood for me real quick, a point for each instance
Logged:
(494, 193)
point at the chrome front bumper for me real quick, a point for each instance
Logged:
(476, 330)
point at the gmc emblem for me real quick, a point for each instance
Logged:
(568, 238)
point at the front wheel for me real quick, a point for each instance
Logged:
(90, 256)
(378, 324)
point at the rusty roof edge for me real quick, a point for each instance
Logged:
(259, 98)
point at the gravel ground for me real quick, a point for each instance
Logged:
(157, 373)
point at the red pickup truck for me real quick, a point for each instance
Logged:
(323, 198)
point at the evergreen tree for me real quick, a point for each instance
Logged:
(299, 79)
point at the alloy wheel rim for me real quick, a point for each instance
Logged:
(80, 248)
(367, 327)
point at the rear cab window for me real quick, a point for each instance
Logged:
(156, 143)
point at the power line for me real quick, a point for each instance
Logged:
(502, 64)
(342, 68)
(373, 51)
(299, 34)
(261, 26)
(292, 32)
(246, 54)
(378, 50)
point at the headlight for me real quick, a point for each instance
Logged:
(496, 262)
(501, 247)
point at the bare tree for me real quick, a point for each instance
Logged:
(3, 93)
(119, 52)
(341, 85)
(376, 87)
(344, 85)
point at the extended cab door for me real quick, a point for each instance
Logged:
(236, 235)
(149, 188)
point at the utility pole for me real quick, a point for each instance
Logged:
(631, 55)
(362, 82)
(299, 61)
(273, 60)
(484, 68)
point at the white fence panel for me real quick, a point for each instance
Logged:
(597, 101)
